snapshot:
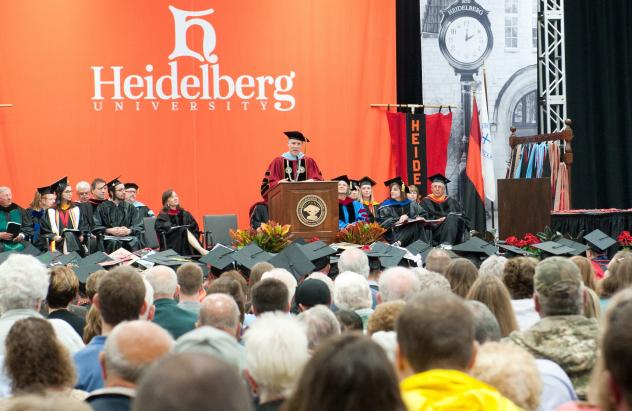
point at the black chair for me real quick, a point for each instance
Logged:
(217, 228)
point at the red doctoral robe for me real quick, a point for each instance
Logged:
(281, 168)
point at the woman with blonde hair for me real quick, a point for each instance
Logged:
(366, 197)
(592, 308)
(489, 290)
(413, 194)
(618, 276)
(461, 273)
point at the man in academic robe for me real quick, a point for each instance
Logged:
(290, 166)
(11, 212)
(440, 206)
(119, 221)
(131, 191)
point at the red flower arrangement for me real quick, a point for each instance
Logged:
(624, 239)
(525, 243)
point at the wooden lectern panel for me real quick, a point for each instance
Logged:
(524, 206)
(311, 208)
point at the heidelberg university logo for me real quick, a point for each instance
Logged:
(163, 87)
(311, 210)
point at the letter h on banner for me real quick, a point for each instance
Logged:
(182, 24)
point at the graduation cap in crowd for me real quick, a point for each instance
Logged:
(475, 249)
(293, 259)
(250, 255)
(388, 255)
(599, 241)
(53, 187)
(318, 252)
(97, 258)
(578, 248)
(551, 248)
(513, 251)
(83, 269)
(65, 259)
(219, 257)
(438, 178)
(48, 257)
(367, 180)
(342, 178)
(296, 135)
(113, 183)
(421, 248)
(131, 185)
(355, 184)
(397, 180)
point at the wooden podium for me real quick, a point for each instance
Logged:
(524, 206)
(311, 208)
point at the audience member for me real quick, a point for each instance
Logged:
(586, 270)
(349, 321)
(437, 260)
(435, 332)
(228, 285)
(461, 273)
(352, 292)
(168, 315)
(37, 363)
(276, 352)
(286, 278)
(220, 311)
(120, 297)
(268, 296)
(486, 326)
(429, 280)
(618, 277)
(63, 288)
(558, 299)
(256, 272)
(311, 293)
(190, 381)
(511, 370)
(349, 373)
(239, 277)
(388, 341)
(320, 324)
(518, 278)
(131, 348)
(48, 403)
(354, 260)
(490, 290)
(23, 287)
(397, 283)
(493, 265)
(385, 316)
(213, 342)
(324, 278)
(190, 278)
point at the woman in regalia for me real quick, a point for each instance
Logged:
(43, 199)
(64, 224)
(396, 212)
(366, 197)
(349, 211)
(179, 227)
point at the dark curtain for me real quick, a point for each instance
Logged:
(408, 52)
(599, 95)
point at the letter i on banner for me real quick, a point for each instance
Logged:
(416, 151)
(487, 156)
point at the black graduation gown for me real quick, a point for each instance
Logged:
(109, 215)
(389, 213)
(175, 228)
(71, 239)
(15, 213)
(451, 230)
(36, 218)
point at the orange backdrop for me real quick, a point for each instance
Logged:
(342, 54)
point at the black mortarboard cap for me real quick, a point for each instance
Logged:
(53, 187)
(475, 245)
(45, 190)
(342, 178)
(355, 184)
(251, 255)
(367, 180)
(219, 257)
(578, 248)
(113, 183)
(84, 269)
(391, 256)
(293, 259)
(512, 251)
(438, 177)
(69, 258)
(296, 135)
(131, 185)
(419, 247)
(317, 249)
(48, 257)
(599, 241)
(553, 248)
(30, 249)
(96, 258)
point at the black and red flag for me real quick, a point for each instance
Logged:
(474, 186)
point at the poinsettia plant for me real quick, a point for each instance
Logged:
(624, 239)
(361, 233)
(526, 242)
(271, 237)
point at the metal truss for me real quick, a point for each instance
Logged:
(551, 66)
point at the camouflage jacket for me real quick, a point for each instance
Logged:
(571, 341)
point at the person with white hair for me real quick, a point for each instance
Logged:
(354, 260)
(397, 283)
(321, 324)
(276, 352)
(83, 191)
(352, 292)
(23, 287)
(124, 362)
(220, 311)
(429, 280)
(168, 315)
(286, 278)
(493, 265)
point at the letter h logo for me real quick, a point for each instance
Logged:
(182, 22)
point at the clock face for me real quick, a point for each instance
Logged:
(466, 40)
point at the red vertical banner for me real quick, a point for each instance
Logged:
(438, 128)
(397, 129)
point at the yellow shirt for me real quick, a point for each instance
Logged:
(436, 390)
